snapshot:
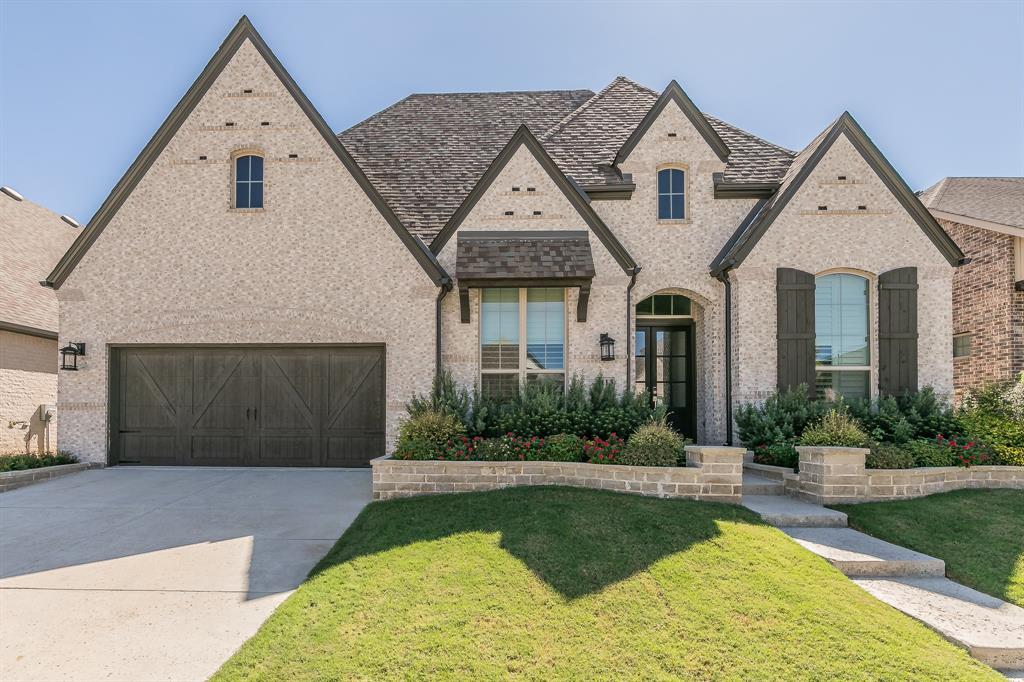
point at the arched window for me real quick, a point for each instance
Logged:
(842, 335)
(249, 181)
(671, 194)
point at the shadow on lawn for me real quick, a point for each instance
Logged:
(577, 541)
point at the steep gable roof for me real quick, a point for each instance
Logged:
(754, 227)
(993, 200)
(524, 138)
(242, 31)
(674, 93)
(427, 151)
(32, 239)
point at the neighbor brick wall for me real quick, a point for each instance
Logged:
(28, 379)
(986, 306)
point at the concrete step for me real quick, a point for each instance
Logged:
(989, 628)
(759, 485)
(860, 555)
(788, 512)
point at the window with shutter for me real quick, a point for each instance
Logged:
(795, 328)
(897, 331)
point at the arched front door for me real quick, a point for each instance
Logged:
(665, 360)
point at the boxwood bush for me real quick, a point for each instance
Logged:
(654, 444)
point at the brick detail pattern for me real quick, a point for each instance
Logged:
(986, 306)
(711, 473)
(838, 476)
(28, 379)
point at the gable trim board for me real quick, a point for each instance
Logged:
(524, 138)
(243, 30)
(979, 223)
(30, 331)
(750, 233)
(674, 93)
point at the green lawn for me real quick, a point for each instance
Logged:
(978, 533)
(560, 583)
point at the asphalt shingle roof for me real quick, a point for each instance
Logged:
(996, 200)
(425, 153)
(32, 240)
(505, 255)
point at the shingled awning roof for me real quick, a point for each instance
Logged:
(524, 259)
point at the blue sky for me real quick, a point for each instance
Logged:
(939, 86)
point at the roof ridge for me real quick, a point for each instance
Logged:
(572, 115)
(749, 134)
(499, 92)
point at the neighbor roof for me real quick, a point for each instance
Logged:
(995, 200)
(32, 240)
(427, 152)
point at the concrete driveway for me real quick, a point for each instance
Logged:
(158, 573)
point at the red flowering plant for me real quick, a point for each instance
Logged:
(964, 454)
(601, 451)
(462, 448)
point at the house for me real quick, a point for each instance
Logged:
(985, 217)
(260, 290)
(32, 240)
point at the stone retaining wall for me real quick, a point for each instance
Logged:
(9, 480)
(711, 473)
(838, 476)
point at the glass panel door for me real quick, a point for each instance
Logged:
(665, 354)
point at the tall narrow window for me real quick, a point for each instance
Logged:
(249, 182)
(507, 316)
(841, 329)
(671, 194)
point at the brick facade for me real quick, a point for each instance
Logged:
(28, 379)
(986, 306)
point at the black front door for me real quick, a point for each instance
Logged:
(665, 368)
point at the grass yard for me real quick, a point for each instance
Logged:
(561, 583)
(978, 533)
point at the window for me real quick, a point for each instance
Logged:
(841, 330)
(507, 318)
(671, 194)
(962, 346)
(249, 181)
(664, 305)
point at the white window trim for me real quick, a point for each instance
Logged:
(872, 339)
(686, 193)
(523, 371)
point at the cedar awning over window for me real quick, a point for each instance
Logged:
(524, 259)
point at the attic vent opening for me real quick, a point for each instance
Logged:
(862, 208)
(12, 193)
(842, 177)
(264, 123)
(229, 123)
(70, 221)
(531, 189)
(823, 208)
(510, 212)
(536, 213)
(293, 156)
(202, 158)
(247, 91)
(671, 134)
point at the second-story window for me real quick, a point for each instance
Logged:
(249, 181)
(671, 194)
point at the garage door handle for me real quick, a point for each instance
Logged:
(247, 411)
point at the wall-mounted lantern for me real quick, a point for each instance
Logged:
(69, 355)
(607, 348)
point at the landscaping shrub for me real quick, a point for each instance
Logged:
(930, 453)
(412, 448)
(777, 454)
(995, 416)
(903, 418)
(835, 429)
(20, 461)
(654, 444)
(781, 418)
(563, 447)
(430, 427)
(601, 451)
(445, 396)
(1007, 456)
(889, 456)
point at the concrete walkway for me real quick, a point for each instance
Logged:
(157, 573)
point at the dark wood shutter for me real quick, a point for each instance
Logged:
(795, 328)
(897, 331)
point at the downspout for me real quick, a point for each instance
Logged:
(723, 277)
(629, 322)
(446, 286)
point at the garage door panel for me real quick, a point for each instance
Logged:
(252, 406)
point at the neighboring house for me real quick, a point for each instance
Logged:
(985, 217)
(259, 290)
(32, 240)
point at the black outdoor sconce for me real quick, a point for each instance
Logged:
(607, 348)
(69, 355)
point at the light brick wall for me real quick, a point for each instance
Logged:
(28, 379)
(986, 306)
(177, 265)
(882, 238)
(838, 476)
(713, 474)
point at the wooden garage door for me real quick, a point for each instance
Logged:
(248, 406)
